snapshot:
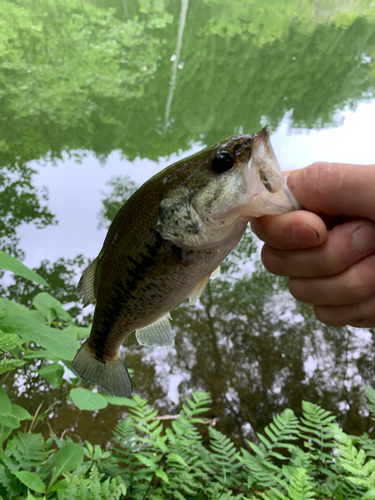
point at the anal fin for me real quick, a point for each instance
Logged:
(158, 333)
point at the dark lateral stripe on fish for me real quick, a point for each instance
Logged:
(123, 290)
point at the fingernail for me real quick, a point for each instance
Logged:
(304, 235)
(364, 238)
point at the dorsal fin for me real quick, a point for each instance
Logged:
(85, 288)
(158, 333)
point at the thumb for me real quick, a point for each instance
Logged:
(335, 188)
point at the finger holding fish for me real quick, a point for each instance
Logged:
(344, 246)
(290, 231)
(353, 286)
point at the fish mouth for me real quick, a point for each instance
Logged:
(268, 192)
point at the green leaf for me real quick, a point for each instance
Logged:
(88, 400)
(7, 365)
(20, 413)
(9, 341)
(43, 354)
(66, 459)
(50, 307)
(177, 458)
(31, 480)
(82, 332)
(113, 400)
(53, 373)
(5, 404)
(10, 421)
(4, 433)
(369, 495)
(63, 345)
(160, 473)
(16, 267)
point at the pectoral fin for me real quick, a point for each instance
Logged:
(215, 274)
(85, 288)
(157, 334)
(199, 289)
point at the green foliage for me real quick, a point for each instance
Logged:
(12, 264)
(190, 459)
(295, 459)
(91, 488)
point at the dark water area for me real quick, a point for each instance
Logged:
(151, 80)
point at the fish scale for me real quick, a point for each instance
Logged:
(166, 241)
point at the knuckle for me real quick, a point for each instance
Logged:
(272, 261)
(331, 262)
(320, 175)
(296, 288)
(354, 287)
(319, 179)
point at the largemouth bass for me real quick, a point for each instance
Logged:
(166, 241)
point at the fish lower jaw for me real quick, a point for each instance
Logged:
(267, 204)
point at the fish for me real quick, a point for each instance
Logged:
(167, 241)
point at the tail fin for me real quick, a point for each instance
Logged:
(112, 376)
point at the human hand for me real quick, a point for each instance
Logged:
(330, 257)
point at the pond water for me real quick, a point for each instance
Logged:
(97, 96)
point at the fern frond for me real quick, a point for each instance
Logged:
(359, 471)
(318, 430)
(272, 494)
(4, 480)
(262, 471)
(144, 420)
(6, 365)
(9, 341)
(224, 449)
(28, 450)
(126, 443)
(200, 402)
(365, 443)
(80, 488)
(301, 486)
(224, 457)
(179, 496)
(282, 430)
(370, 393)
(300, 458)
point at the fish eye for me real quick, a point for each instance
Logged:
(222, 162)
